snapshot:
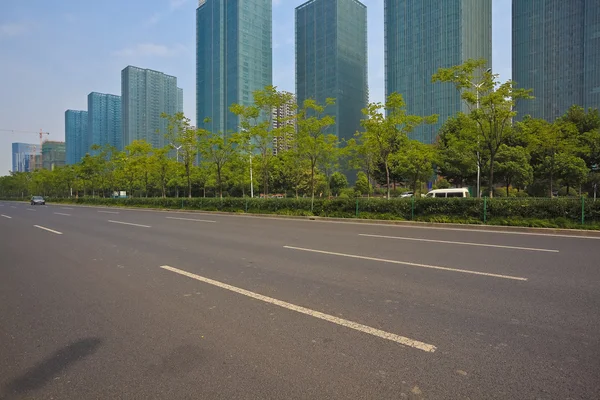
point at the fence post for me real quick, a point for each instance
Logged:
(485, 210)
(412, 208)
(582, 210)
(357, 207)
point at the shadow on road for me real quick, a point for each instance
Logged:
(37, 376)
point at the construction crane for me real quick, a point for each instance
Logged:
(41, 133)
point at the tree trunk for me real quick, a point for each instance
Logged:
(551, 184)
(312, 187)
(492, 157)
(507, 185)
(387, 177)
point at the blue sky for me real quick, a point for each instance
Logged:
(53, 53)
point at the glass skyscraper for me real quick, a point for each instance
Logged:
(331, 60)
(145, 95)
(53, 155)
(76, 132)
(556, 52)
(25, 156)
(234, 58)
(104, 120)
(424, 35)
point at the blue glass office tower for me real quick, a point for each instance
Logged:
(145, 95)
(76, 132)
(424, 35)
(25, 156)
(556, 52)
(234, 58)
(331, 59)
(104, 121)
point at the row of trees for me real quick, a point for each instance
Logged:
(532, 157)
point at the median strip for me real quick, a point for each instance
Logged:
(459, 243)
(307, 311)
(48, 229)
(464, 271)
(191, 219)
(129, 223)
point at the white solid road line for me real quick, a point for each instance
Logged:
(461, 243)
(5, 216)
(307, 311)
(66, 215)
(48, 229)
(464, 271)
(129, 223)
(109, 212)
(191, 219)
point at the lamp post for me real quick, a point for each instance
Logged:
(250, 155)
(177, 158)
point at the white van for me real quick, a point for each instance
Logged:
(455, 192)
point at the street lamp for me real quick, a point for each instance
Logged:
(176, 150)
(477, 87)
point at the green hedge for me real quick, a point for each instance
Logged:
(526, 211)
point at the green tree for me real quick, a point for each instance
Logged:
(362, 184)
(384, 135)
(312, 141)
(337, 182)
(219, 150)
(491, 104)
(415, 162)
(257, 121)
(185, 138)
(458, 150)
(573, 170)
(513, 167)
(161, 168)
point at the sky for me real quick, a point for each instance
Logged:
(54, 53)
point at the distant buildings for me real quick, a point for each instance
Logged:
(25, 157)
(145, 95)
(556, 52)
(331, 59)
(104, 121)
(53, 155)
(281, 117)
(233, 58)
(422, 36)
(76, 133)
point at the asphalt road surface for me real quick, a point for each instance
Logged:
(100, 303)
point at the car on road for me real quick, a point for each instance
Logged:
(38, 201)
(407, 194)
(454, 192)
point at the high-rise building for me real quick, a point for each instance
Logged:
(145, 95)
(104, 121)
(233, 58)
(284, 116)
(76, 133)
(556, 52)
(331, 60)
(25, 157)
(424, 35)
(53, 155)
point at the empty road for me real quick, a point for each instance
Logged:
(106, 303)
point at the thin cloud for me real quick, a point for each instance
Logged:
(150, 50)
(13, 29)
(153, 20)
(177, 3)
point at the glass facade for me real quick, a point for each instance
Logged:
(25, 157)
(234, 58)
(104, 121)
(424, 35)
(53, 155)
(331, 59)
(145, 95)
(556, 52)
(76, 133)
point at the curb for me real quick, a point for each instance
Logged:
(413, 224)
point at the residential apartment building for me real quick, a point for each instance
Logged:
(76, 134)
(284, 116)
(53, 155)
(104, 121)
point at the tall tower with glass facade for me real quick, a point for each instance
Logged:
(556, 52)
(104, 120)
(145, 95)
(424, 35)
(76, 132)
(331, 59)
(234, 58)
(25, 157)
